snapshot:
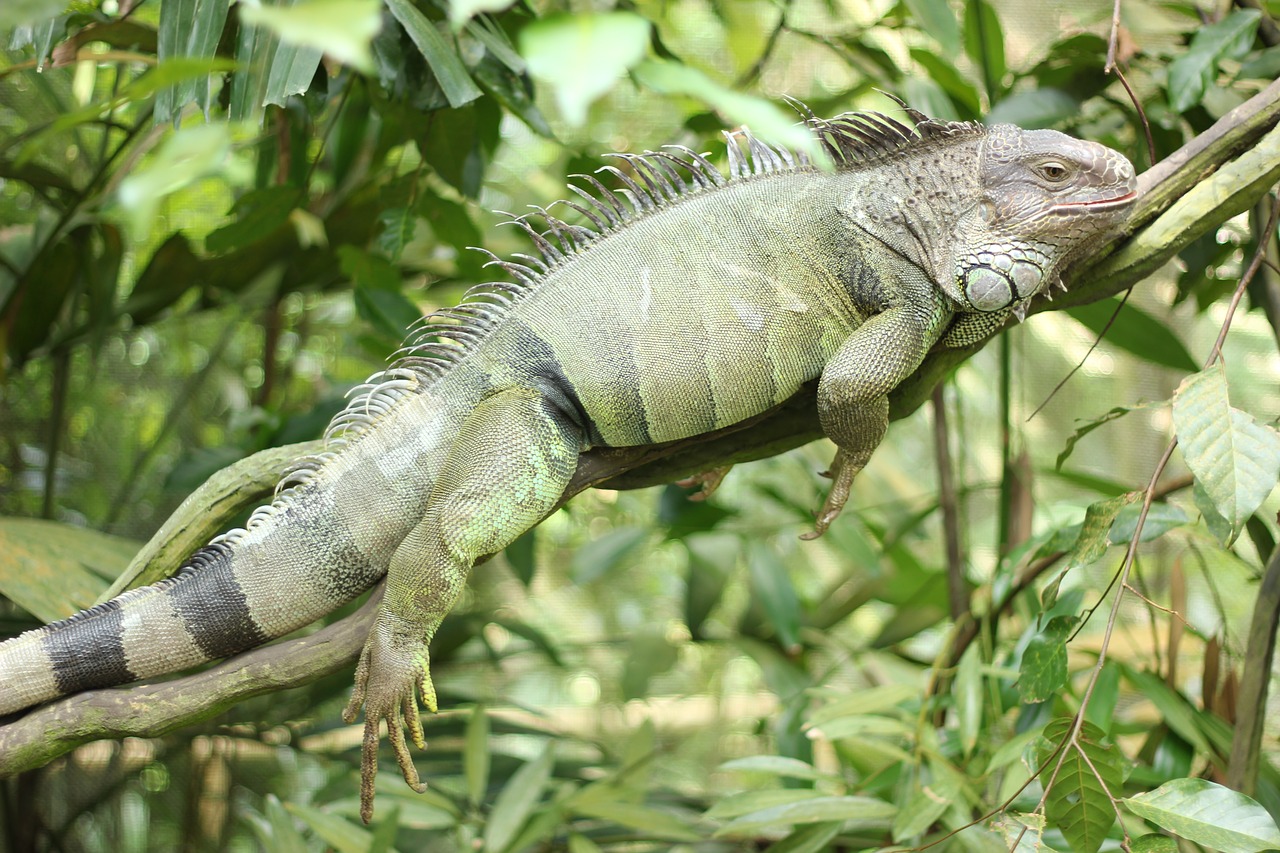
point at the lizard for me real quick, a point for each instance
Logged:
(685, 301)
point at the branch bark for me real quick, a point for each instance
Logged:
(1219, 174)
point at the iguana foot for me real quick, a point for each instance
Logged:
(386, 677)
(843, 469)
(706, 481)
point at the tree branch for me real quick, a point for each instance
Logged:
(1217, 175)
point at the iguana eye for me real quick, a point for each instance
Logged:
(1053, 171)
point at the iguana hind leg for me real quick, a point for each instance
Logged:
(512, 459)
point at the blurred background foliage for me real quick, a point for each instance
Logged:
(216, 219)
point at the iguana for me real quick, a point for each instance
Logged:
(685, 301)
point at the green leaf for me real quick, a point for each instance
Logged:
(172, 271)
(774, 765)
(951, 80)
(520, 556)
(475, 755)
(284, 836)
(917, 814)
(984, 43)
(601, 555)
(368, 270)
(186, 156)
(337, 832)
(1175, 711)
(461, 11)
(656, 823)
(650, 655)
(745, 802)
(1154, 843)
(1161, 518)
(518, 797)
(1234, 459)
(582, 844)
(398, 225)
(445, 64)
(582, 56)
(1094, 538)
(1034, 108)
(1079, 803)
(765, 120)
(856, 812)
(1044, 661)
(260, 212)
(813, 838)
(293, 67)
(390, 312)
(1135, 331)
(341, 29)
(1208, 814)
(15, 13)
(870, 700)
(968, 695)
(937, 19)
(1191, 74)
(188, 28)
(773, 591)
(536, 638)
(51, 569)
(1089, 426)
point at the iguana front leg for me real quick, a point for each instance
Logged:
(512, 460)
(853, 393)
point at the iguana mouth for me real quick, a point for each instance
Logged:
(1100, 203)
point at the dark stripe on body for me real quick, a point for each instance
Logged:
(89, 653)
(537, 357)
(214, 610)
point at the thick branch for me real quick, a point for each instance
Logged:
(1215, 176)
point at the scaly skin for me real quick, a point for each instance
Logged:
(711, 301)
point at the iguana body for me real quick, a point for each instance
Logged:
(701, 302)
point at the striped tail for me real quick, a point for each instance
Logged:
(201, 614)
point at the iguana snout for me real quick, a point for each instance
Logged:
(1046, 197)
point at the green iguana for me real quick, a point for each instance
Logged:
(687, 301)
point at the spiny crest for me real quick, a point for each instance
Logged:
(855, 139)
(649, 182)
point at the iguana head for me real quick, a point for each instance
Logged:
(1044, 198)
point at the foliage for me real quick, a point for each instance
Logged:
(216, 218)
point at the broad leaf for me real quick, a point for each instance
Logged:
(52, 569)
(582, 56)
(857, 812)
(774, 765)
(765, 120)
(1079, 801)
(475, 755)
(1193, 72)
(518, 797)
(341, 29)
(1135, 331)
(937, 19)
(1087, 427)
(603, 554)
(1208, 814)
(1044, 661)
(774, 593)
(1234, 459)
(337, 832)
(450, 73)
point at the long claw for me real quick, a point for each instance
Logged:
(706, 481)
(395, 733)
(386, 678)
(842, 472)
(368, 767)
(413, 721)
